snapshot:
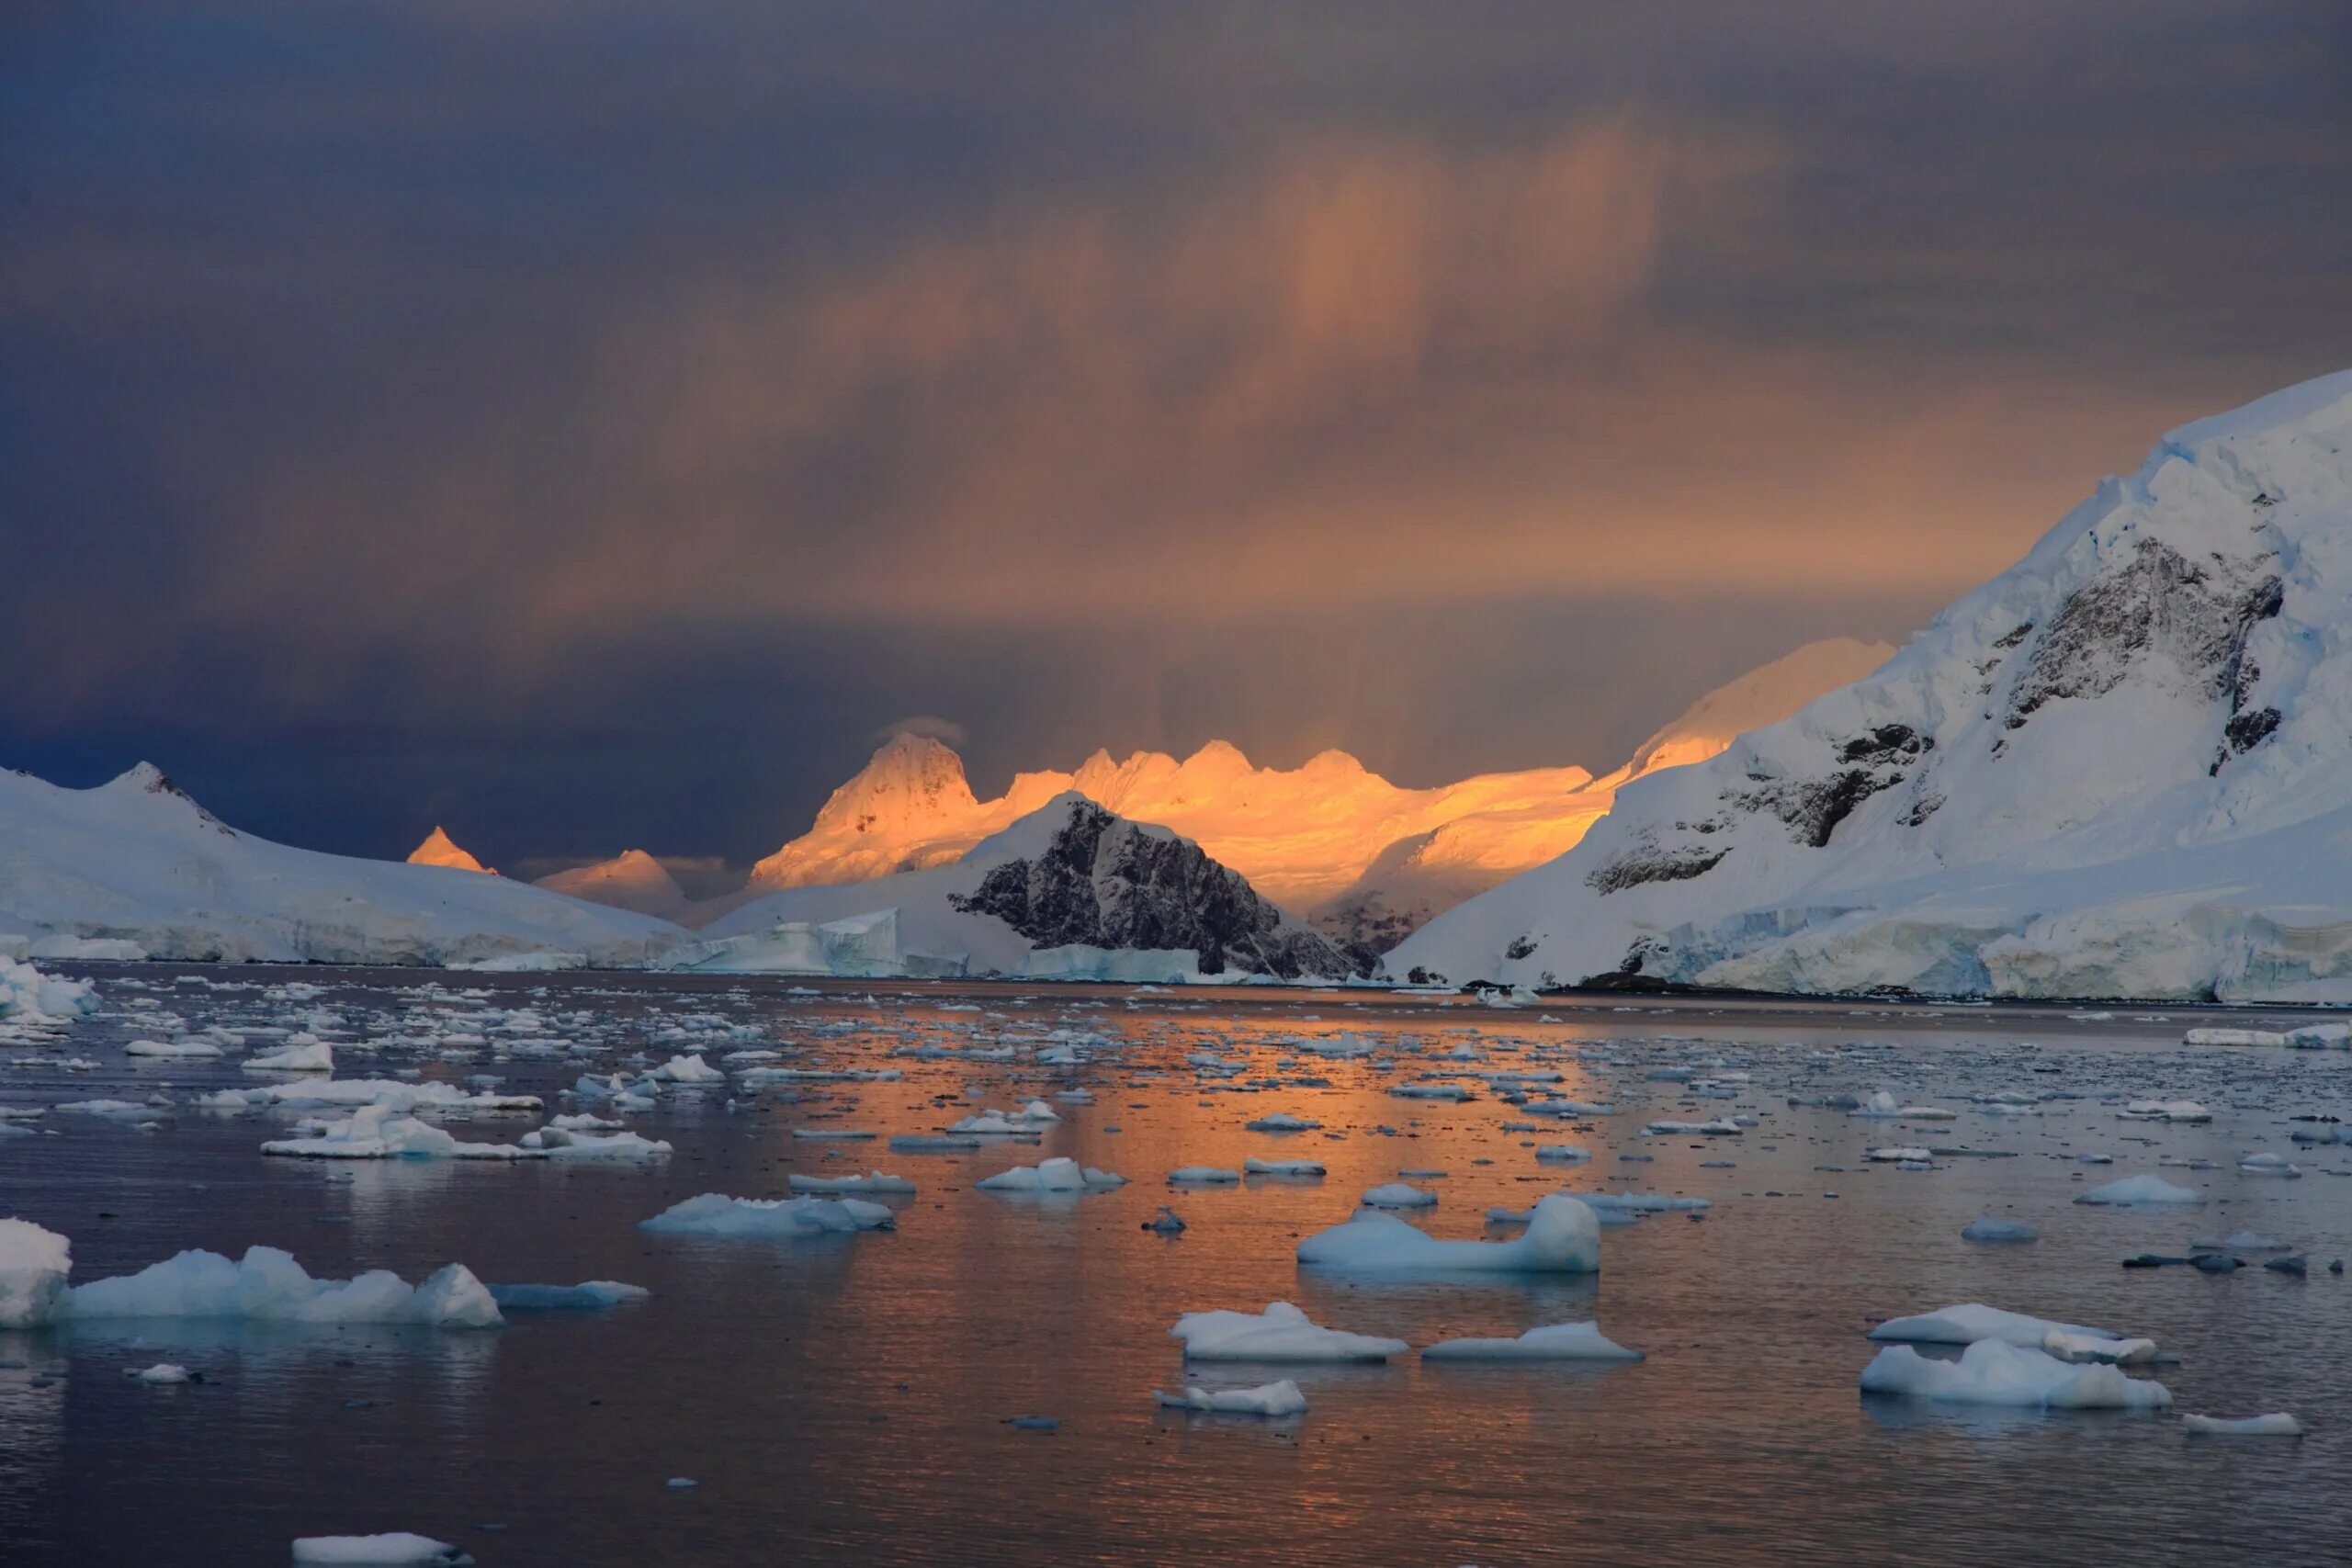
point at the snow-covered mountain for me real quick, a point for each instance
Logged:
(1069, 890)
(1298, 834)
(441, 850)
(135, 860)
(2119, 769)
(1368, 859)
(1415, 879)
(630, 880)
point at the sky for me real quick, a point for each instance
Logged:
(594, 424)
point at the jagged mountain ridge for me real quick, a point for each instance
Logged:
(1069, 890)
(1365, 859)
(2118, 769)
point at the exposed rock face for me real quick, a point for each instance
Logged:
(1105, 881)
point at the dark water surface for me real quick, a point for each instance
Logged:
(845, 1400)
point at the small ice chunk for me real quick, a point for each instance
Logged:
(1397, 1195)
(399, 1546)
(1563, 1236)
(1282, 1332)
(716, 1214)
(162, 1371)
(1057, 1175)
(1293, 1169)
(1988, 1231)
(873, 1181)
(2277, 1424)
(2135, 1190)
(1973, 1321)
(1273, 1398)
(1202, 1175)
(591, 1296)
(1552, 1342)
(1992, 1371)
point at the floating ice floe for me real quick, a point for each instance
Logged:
(316, 1057)
(174, 1048)
(1282, 1332)
(1900, 1155)
(2164, 1110)
(2135, 1192)
(592, 1295)
(1273, 1398)
(1552, 1342)
(1397, 1195)
(161, 1372)
(1429, 1091)
(1988, 1231)
(872, 1181)
(1289, 1169)
(1202, 1175)
(1563, 1236)
(1992, 1371)
(1883, 1106)
(2097, 1348)
(396, 1549)
(566, 1144)
(1720, 1128)
(716, 1214)
(377, 1132)
(1057, 1175)
(1028, 1121)
(1281, 1122)
(1562, 1154)
(687, 1070)
(30, 996)
(2277, 1424)
(2269, 1165)
(266, 1286)
(1967, 1323)
(1642, 1202)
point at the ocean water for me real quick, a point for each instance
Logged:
(849, 1399)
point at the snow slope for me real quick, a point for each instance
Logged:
(1414, 880)
(136, 859)
(630, 880)
(441, 850)
(1069, 891)
(2119, 769)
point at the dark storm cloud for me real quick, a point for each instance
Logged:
(590, 423)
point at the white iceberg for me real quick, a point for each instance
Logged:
(2136, 1191)
(716, 1214)
(2277, 1424)
(1397, 1195)
(589, 1296)
(872, 1181)
(1282, 1332)
(1057, 1175)
(1273, 1398)
(399, 1548)
(1552, 1342)
(1563, 1236)
(1973, 1321)
(1992, 1371)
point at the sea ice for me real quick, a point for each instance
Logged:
(2135, 1190)
(1563, 1236)
(1992, 1371)
(1282, 1332)
(716, 1214)
(1552, 1342)
(1273, 1398)
(1057, 1175)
